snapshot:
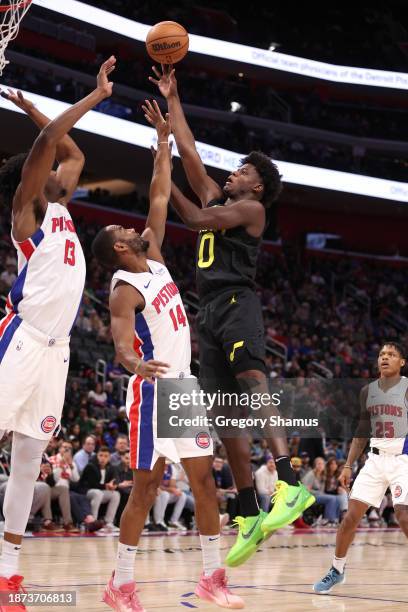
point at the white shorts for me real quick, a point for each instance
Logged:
(33, 375)
(379, 473)
(144, 445)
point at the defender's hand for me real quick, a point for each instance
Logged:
(166, 80)
(102, 81)
(154, 117)
(151, 369)
(18, 99)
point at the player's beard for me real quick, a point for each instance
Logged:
(139, 245)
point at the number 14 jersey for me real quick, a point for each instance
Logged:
(162, 331)
(51, 275)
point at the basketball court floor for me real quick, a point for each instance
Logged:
(278, 577)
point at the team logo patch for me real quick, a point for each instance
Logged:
(398, 491)
(203, 439)
(48, 424)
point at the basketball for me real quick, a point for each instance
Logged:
(167, 42)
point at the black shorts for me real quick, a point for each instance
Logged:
(231, 336)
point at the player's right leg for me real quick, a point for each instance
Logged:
(344, 538)
(26, 454)
(120, 592)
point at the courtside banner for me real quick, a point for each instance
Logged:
(310, 408)
(233, 51)
(298, 174)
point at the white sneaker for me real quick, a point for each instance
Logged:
(111, 528)
(224, 518)
(177, 525)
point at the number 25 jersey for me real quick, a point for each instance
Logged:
(162, 331)
(51, 275)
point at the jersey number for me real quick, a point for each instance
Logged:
(384, 430)
(180, 320)
(206, 259)
(69, 257)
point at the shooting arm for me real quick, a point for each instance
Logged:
(123, 302)
(202, 184)
(245, 213)
(159, 193)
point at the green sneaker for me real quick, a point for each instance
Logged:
(250, 536)
(288, 504)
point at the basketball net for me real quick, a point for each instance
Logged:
(11, 15)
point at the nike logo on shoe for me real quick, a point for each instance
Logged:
(293, 502)
(246, 536)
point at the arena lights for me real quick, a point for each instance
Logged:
(233, 51)
(144, 136)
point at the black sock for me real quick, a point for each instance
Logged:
(248, 504)
(285, 470)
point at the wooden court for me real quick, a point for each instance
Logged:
(278, 577)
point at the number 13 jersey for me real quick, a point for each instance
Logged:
(51, 275)
(162, 331)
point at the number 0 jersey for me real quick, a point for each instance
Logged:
(162, 331)
(389, 416)
(225, 259)
(51, 275)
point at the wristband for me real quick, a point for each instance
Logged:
(347, 466)
(163, 142)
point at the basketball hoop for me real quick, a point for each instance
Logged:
(11, 15)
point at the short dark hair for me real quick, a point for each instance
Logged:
(10, 177)
(104, 449)
(269, 173)
(395, 345)
(102, 248)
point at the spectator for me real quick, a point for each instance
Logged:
(265, 480)
(315, 482)
(9, 275)
(87, 452)
(226, 491)
(98, 482)
(98, 434)
(56, 491)
(86, 424)
(111, 435)
(122, 421)
(114, 370)
(332, 485)
(121, 446)
(306, 467)
(124, 480)
(296, 463)
(97, 399)
(170, 494)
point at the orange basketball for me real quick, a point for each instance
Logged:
(167, 42)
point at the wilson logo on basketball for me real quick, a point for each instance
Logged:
(398, 491)
(48, 424)
(165, 46)
(203, 440)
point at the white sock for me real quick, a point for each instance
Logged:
(210, 549)
(125, 565)
(10, 554)
(339, 563)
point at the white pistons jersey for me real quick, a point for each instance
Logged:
(162, 329)
(51, 275)
(389, 417)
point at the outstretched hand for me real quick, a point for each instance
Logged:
(102, 81)
(154, 117)
(17, 98)
(166, 80)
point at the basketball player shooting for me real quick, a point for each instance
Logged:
(152, 339)
(384, 412)
(230, 327)
(41, 306)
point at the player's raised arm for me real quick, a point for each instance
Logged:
(123, 302)
(38, 165)
(68, 155)
(202, 184)
(247, 213)
(161, 179)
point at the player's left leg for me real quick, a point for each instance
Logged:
(213, 583)
(26, 454)
(401, 514)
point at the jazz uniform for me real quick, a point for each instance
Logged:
(162, 332)
(387, 463)
(34, 335)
